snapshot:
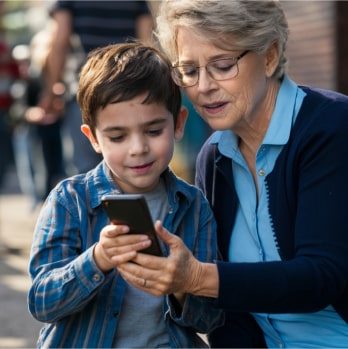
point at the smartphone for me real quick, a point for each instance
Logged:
(132, 210)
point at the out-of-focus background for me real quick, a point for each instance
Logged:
(318, 55)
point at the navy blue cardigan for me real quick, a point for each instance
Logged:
(308, 205)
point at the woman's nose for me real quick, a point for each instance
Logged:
(205, 81)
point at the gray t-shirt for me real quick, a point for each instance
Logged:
(141, 323)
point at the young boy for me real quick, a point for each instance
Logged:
(132, 115)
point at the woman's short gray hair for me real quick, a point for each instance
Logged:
(228, 24)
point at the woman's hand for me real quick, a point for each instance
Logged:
(177, 274)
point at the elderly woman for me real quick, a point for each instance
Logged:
(275, 172)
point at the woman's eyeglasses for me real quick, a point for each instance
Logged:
(187, 75)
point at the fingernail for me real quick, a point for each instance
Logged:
(144, 238)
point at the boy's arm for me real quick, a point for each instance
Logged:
(64, 277)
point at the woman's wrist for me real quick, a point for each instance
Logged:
(205, 280)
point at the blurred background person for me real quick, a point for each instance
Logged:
(37, 139)
(8, 73)
(96, 23)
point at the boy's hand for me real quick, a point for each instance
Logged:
(115, 246)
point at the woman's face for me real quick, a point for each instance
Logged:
(238, 103)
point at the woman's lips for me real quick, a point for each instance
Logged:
(214, 108)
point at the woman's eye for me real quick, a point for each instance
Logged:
(188, 70)
(223, 65)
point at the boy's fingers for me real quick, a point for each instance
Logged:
(114, 230)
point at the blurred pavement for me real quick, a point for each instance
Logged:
(17, 219)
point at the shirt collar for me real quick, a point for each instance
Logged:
(288, 103)
(99, 182)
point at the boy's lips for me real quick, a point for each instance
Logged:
(141, 168)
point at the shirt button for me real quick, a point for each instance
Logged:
(262, 172)
(96, 277)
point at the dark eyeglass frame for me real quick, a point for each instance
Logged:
(180, 83)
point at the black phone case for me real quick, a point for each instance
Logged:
(132, 210)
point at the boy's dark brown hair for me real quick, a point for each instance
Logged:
(120, 72)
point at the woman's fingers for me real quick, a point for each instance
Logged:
(147, 280)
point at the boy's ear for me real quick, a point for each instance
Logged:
(180, 124)
(88, 133)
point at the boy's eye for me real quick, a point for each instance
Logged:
(155, 132)
(116, 138)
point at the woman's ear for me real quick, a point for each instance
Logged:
(272, 59)
(89, 134)
(180, 124)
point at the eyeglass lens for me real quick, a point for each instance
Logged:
(187, 75)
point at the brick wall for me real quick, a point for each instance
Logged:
(311, 47)
(342, 45)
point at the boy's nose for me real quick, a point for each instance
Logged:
(138, 146)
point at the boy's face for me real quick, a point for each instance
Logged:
(136, 141)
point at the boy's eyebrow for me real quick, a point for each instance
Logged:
(153, 122)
